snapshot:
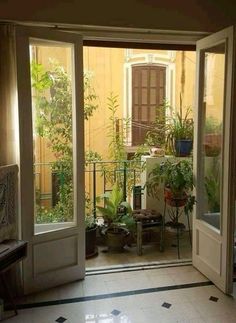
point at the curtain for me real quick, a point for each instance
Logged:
(9, 133)
(8, 97)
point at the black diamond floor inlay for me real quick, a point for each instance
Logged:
(115, 312)
(213, 299)
(61, 319)
(166, 305)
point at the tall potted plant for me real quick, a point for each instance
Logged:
(181, 133)
(118, 220)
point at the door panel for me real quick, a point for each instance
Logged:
(50, 98)
(214, 159)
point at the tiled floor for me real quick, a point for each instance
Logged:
(171, 294)
(151, 253)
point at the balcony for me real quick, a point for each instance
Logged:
(100, 176)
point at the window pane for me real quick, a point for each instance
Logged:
(213, 107)
(144, 73)
(153, 96)
(144, 113)
(144, 96)
(51, 81)
(153, 81)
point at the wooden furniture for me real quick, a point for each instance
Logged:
(147, 219)
(11, 252)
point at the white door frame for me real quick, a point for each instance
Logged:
(126, 34)
(73, 237)
(217, 243)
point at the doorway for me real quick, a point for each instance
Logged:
(24, 86)
(137, 93)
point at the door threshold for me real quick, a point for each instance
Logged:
(138, 266)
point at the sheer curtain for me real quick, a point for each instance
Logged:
(8, 111)
(9, 131)
(8, 97)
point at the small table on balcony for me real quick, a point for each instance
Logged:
(148, 219)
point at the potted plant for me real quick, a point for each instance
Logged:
(212, 186)
(118, 220)
(180, 135)
(177, 177)
(212, 136)
(90, 236)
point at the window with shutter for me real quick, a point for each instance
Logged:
(148, 93)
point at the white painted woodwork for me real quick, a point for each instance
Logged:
(54, 257)
(213, 248)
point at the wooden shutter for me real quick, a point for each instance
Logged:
(148, 92)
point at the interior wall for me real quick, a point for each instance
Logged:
(192, 15)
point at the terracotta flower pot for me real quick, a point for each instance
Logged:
(173, 199)
(212, 144)
(116, 238)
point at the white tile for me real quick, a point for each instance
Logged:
(189, 305)
(195, 320)
(22, 317)
(220, 319)
(71, 290)
(48, 295)
(187, 278)
(209, 308)
(161, 280)
(180, 269)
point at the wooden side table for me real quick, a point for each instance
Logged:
(11, 252)
(147, 219)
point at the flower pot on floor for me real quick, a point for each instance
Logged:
(91, 245)
(116, 238)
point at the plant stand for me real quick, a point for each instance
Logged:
(177, 205)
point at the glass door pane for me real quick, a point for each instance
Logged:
(212, 133)
(52, 113)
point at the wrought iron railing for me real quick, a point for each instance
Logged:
(100, 177)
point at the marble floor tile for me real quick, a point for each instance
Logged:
(133, 297)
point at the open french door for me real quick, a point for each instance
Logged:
(214, 158)
(50, 87)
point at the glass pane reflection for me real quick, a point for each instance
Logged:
(212, 123)
(52, 106)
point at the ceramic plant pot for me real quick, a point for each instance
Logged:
(90, 238)
(183, 147)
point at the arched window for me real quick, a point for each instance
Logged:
(148, 93)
